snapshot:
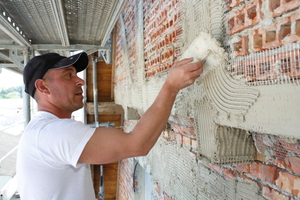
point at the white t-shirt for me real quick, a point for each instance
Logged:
(47, 162)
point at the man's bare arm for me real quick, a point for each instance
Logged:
(109, 144)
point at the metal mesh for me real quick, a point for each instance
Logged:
(278, 65)
(270, 53)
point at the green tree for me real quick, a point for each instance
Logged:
(11, 93)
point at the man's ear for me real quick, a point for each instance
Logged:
(41, 86)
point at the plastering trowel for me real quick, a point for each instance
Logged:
(207, 49)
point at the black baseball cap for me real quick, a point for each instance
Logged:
(39, 65)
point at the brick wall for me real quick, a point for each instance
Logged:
(162, 31)
(262, 27)
(125, 189)
(259, 26)
(275, 182)
(253, 27)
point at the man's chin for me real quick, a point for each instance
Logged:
(78, 106)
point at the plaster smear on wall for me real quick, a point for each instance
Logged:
(276, 110)
(206, 49)
(176, 172)
(214, 95)
(264, 107)
(223, 105)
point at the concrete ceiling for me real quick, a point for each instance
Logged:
(32, 27)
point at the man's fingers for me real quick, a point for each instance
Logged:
(194, 66)
(183, 62)
(195, 71)
(199, 67)
(184, 73)
(196, 74)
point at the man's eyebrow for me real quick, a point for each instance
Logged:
(68, 69)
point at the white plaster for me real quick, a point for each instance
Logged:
(178, 174)
(206, 48)
(225, 108)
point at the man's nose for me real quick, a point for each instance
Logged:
(80, 81)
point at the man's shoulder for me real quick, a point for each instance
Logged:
(44, 114)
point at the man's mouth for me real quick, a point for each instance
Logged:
(79, 93)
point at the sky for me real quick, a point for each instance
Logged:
(9, 78)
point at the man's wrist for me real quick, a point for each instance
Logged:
(169, 88)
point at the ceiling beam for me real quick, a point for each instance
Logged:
(8, 25)
(7, 65)
(114, 16)
(45, 47)
(11, 67)
(5, 55)
(59, 16)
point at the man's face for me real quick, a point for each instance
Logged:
(65, 88)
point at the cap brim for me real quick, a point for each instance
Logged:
(80, 61)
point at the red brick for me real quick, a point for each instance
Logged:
(284, 31)
(232, 3)
(241, 47)
(165, 133)
(273, 4)
(293, 164)
(271, 194)
(265, 71)
(125, 187)
(246, 17)
(183, 129)
(217, 168)
(250, 71)
(230, 174)
(194, 144)
(163, 29)
(166, 197)
(279, 7)
(278, 162)
(178, 138)
(183, 125)
(264, 172)
(270, 39)
(172, 135)
(295, 25)
(279, 151)
(243, 167)
(291, 147)
(186, 140)
(157, 188)
(259, 139)
(289, 183)
(193, 153)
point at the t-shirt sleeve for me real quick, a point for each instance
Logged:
(62, 141)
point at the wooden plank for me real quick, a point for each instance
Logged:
(104, 77)
(114, 44)
(110, 172)
(108, 112)
(104, 108)
(113, 165)
(110, 180)
(104, 80)
(106, 118)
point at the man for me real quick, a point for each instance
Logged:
(55, 151)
